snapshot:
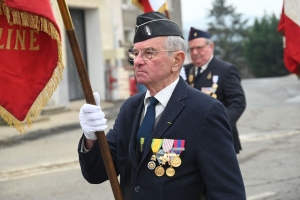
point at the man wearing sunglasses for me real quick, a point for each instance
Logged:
(164, 143)
(216, 78)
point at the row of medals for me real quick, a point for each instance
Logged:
(211, 92)
(171, 158)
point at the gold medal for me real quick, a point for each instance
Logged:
(151, 165)
(163, 159)
(176, 161)
(214, 96)
(170, 171)
(159, 171)
(153, 158)
(213, 90)
(215, 86)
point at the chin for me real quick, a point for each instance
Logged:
(198, 63)
(140, 81)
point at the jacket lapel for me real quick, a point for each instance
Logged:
(132, 143)
(204, 77)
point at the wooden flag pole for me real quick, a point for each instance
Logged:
(88, 93)
(167, 10)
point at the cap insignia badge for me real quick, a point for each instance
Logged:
(148, 30)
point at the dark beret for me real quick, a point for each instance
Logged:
(154, 24)
(196, 33)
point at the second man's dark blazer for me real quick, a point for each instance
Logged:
(229, 92)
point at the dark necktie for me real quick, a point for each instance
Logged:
(146, 127)
(198, 72)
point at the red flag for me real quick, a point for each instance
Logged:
(289, 27)
(150, 5)
(31, 59)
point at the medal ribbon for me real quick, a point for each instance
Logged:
(215, 85)
(206, 90)
(156, 144)
(172, 154)
(179, 146)
(167, 145)
(215, 78)
(142, 140)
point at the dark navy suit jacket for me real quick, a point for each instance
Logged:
(209, 157)
(229, 91)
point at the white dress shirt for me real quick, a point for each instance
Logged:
(204, 66)
(162, 96)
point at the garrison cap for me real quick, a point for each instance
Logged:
(196, 33)
(154, 24)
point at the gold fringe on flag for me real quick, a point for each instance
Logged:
(41, 24)
(163, 8)
(138, 4)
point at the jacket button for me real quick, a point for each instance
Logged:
(137, 189)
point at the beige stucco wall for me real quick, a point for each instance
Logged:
(104, 31)
(104, 7)
(111, 23)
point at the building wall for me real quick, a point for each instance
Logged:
(104, 31)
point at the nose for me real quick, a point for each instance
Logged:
(193, 51)
(138, 59)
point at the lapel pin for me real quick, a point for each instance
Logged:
(169, 122)
(209, 76)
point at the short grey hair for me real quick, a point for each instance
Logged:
(175, 43)
(208, 41)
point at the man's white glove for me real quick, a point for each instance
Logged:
(92, 118)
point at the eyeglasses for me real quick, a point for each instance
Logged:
(147, 53)
(198, 48)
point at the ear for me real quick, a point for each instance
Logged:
(179, 58)
(212, 45)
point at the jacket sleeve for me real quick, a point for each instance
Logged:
(216, 157)
(92, 164)
(235, 97)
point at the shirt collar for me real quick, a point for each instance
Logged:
(206, 64)
(162, 96)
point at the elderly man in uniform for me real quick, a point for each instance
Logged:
(164, 143)
(217, 78)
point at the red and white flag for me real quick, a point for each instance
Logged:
(289, 27)
(150, 5)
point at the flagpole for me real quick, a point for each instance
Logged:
(167, 10)
(88, 93)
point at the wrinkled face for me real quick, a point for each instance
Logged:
(200, 51)
(156, 71)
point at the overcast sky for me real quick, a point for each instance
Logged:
(195, 11)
